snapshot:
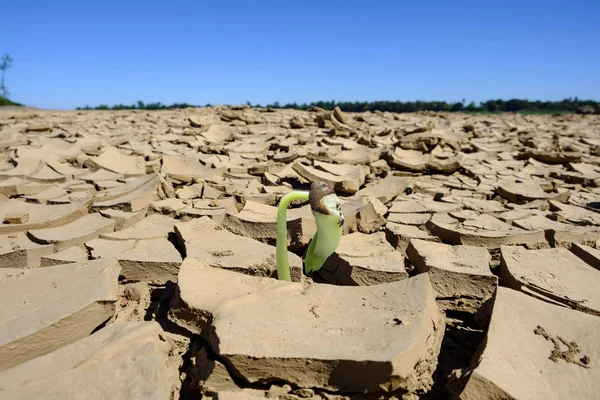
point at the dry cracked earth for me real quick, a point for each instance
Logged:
(138, 259)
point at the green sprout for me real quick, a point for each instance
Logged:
(326, 209)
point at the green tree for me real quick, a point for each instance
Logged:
(5, 64)
(456, 107)
(471, 107)
(515, 105)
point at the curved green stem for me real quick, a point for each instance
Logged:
(283, 264)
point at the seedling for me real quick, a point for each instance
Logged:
(325, 207)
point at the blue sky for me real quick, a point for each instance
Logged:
(72, 53)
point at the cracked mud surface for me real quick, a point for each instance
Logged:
(137, 255)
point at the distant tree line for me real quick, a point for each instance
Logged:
(140, 105)
(568, 105)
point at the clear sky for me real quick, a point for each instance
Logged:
(72, 53)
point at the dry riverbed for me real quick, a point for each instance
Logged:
(137, 256)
